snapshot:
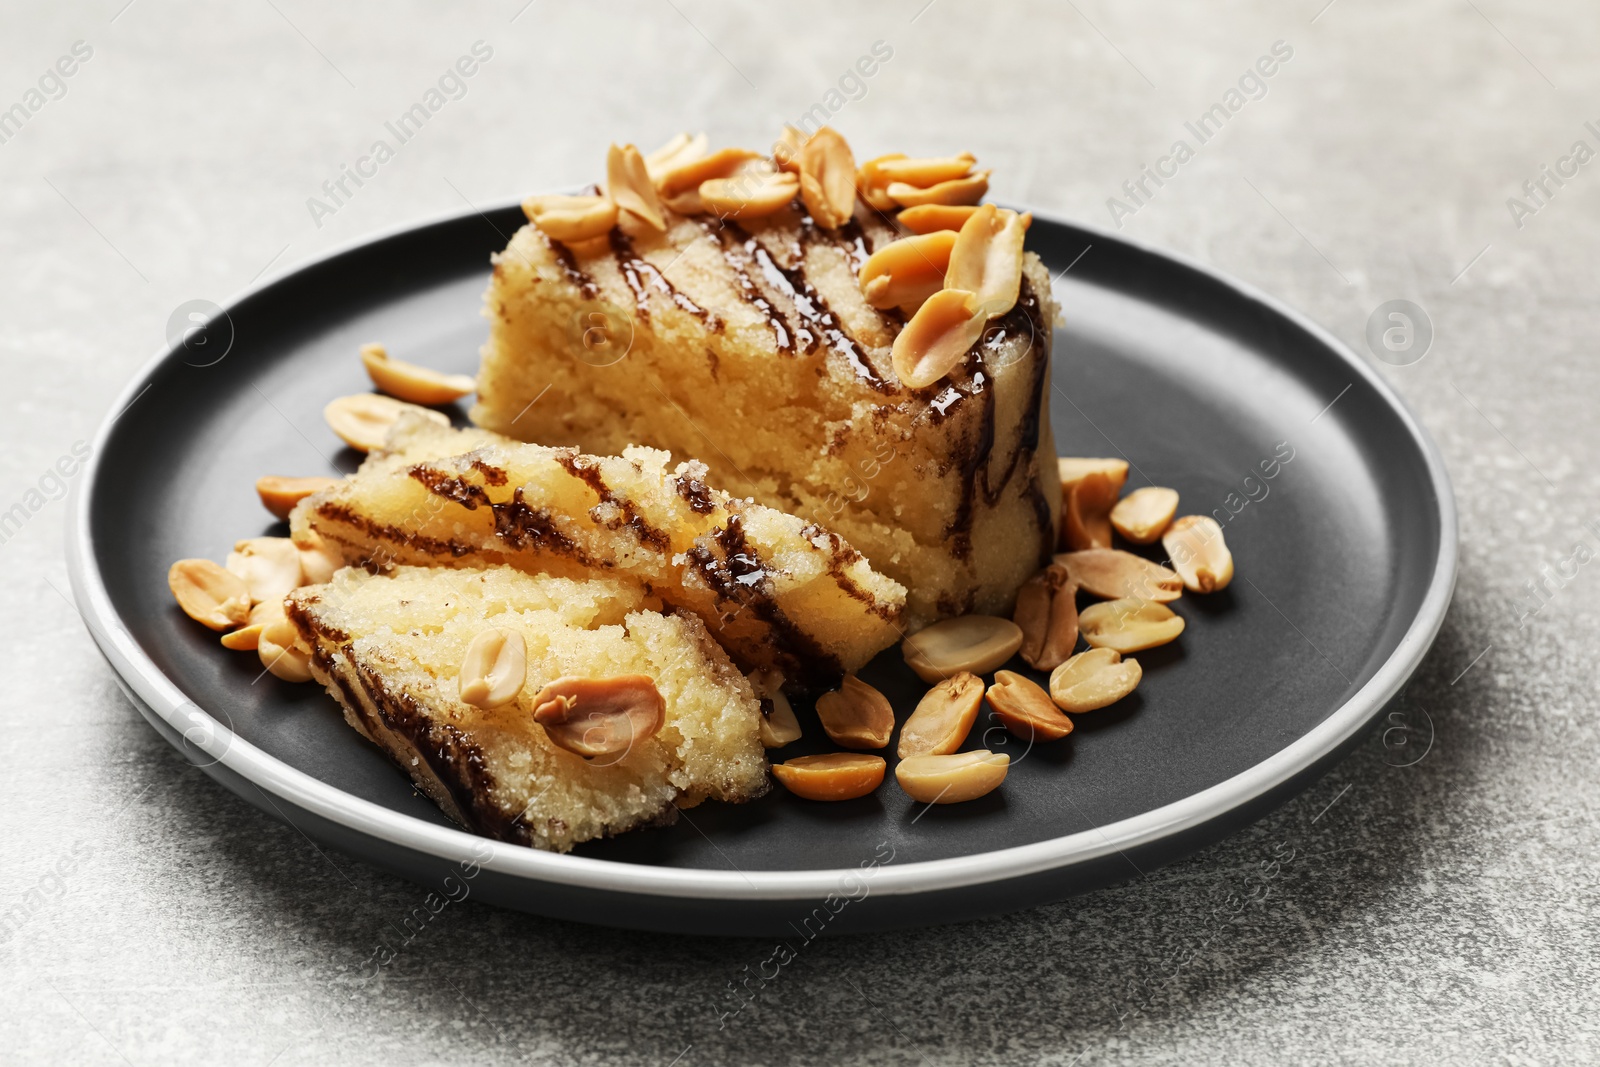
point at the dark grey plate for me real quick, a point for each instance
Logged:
(1346, 559)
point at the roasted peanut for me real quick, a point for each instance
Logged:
(628, 184)
(570, 219)
(678, 152)
(968, 190)
(779, 726)
(856, 715)
(906, 272)
(828, 178)
(209, 594)
(1112, 574)
(600, 716)
(987, 259)
(953, 778)
(494, 669)
(1093, 679)
(930, 218)
(363, 420)
(1199, 554)
(411, 383)
(278, 647)
(943, 717)
(1073, 468)
(1129, 624)
(268, 566)
(937, 338)
(872, 182)
(691, 174)
(1086, 512)
(749, 194)
(975, 643)
(318, 559)
(248, 637)
(1047, 614)
(279, 494)
(831, 776)
(1144, 514)
(1025, 709)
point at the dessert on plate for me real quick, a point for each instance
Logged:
(392, 649)
(722, 308)
(778, 592)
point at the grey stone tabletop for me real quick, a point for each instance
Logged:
(1432, 910)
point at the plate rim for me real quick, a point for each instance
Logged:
(163, 698)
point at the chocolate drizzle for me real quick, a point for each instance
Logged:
(815, 322)
(638, 271)
(575, 274)
(1023, 320)
(517, 524)
(584, 467)
(738, 577)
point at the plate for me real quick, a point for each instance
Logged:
(1335, 504)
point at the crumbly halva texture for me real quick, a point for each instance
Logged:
(777, 592)
(389, 648)
(750, 345)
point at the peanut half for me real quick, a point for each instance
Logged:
(930, 218)
(268, 566)
(987, 259)
(923, 173)
(1047, 614)
(1129, 624)
(628, 184)
(600, 716)
(1112, 574)
(208, 594)
(831, 776)
(1144, 514)
(872, 182)
(1199, 553)
(1093, 679)
(937, 338)
(570, 219)
(687, 176)
(494, 669)
(828, 178)
(779, 726)
(1086, 512)
(975, 643)
(318, 559)
(363, 420)
(751, 193)
(248, 637)
(968, 190)
(1025, 709)
(943, 717)
(411, 383)
(906, 272)
(856, 715)
(953, 778)
(1073, 469)
(280, 494)
(678, 152)
(278, 647)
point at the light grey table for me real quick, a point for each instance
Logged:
(1441, 912)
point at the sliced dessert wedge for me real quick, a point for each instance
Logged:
(749, 344)
(391, 648)
(778, 592)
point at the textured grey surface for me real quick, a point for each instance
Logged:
(1431, 913)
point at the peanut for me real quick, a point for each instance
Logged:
(628, 184)
(278, 647)
(208, 594)
(678, 152)
(856, 715)
(937, 338)
(749, 194)
(975, 643)
(570, 219)
(1047, 614)
(953, 778)
(906, 272)
(968, 190)
(1129, 624)
(828, 178)
(831, 776)
(1144, 514)
(494, 669)
(1199, 554)
(779, 726)
(943, 717)
(1025, 709)
(1093, 679)
(1112, 574)
(1086, 512)
(987, 259)
(363, 420)
(279, 494)
(411, 383)
(600, 716)
(268, 566)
